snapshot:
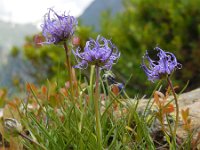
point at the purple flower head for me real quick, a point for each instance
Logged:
(166, 64)
(57, 28)
(101, 53)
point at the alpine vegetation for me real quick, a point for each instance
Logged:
(91, 109)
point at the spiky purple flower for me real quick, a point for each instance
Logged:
(166, 64)
(101, 53)
(58, 28)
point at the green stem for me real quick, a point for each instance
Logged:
(91, 85)
(97, 113)
(176, 103)
(69, 69)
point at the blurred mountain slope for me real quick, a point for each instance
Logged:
(13, 34)
(92, 15)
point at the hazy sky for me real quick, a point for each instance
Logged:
(25, 11)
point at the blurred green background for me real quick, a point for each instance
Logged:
(134, 26)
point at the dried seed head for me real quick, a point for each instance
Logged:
(12, 126)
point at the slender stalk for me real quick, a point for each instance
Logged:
(97, 113)
(176, 103)
(91, 85)
(32, 141)
(69, 69)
